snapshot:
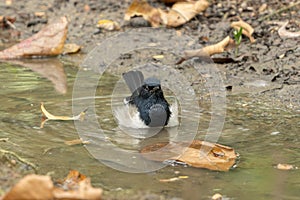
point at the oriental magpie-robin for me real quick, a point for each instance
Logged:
(147, 106)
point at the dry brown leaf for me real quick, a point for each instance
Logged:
(48, 116)
(75, 142)
(180, 13)
(142, 8)
(219, 157)
(32, 187)
(76, 186)
(63, 118)
(283, 33)
(247, 29)
(108, 25)
(47, 42)
(207, 51)
(36, 187)
(71, 48)
(285, 166)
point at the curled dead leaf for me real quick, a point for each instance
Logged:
(207, 51)
(247, 29)
(180, 13)
(49, 116)
(49, 41)
(142, 8)
(283, 33)
(108, 25)
(199, 154)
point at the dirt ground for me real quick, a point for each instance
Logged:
(268, 68)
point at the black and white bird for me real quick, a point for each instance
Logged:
(147, 106)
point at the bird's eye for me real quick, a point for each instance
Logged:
(147, 87)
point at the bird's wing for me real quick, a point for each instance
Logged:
(134, 79)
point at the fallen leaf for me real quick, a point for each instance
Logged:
(283, 33)
(247, 29)
(285, 166)
(76, 186)
(32, 187)
(108, 25)
(180, 13)
(142, 8)
(220, 47)
(49, 116)
(63, 118)
(219, 157)
(75, 142)
(47, 42)
(217, 196)
(71, 48)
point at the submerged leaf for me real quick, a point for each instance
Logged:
(49, 41)
(199, 154)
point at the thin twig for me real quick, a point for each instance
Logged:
(22, 160)
(279, 11)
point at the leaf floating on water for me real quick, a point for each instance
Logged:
(285, 166)
(49, 41)
(217, 196)
(49, 116)
(219, 157)
(75, 142)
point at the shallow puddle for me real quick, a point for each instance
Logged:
(263, 134)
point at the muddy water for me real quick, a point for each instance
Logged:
(263, 134)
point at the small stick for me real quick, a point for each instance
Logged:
(22, 160)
